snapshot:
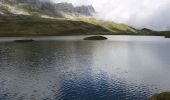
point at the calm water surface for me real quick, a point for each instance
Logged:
(84, 70)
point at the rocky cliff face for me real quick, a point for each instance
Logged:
(48, 8)
(20, 1)
(86, 10)
(69, 9)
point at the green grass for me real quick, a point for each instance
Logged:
(122, 29)
(161, 96)
(114, 27)
(35, 26)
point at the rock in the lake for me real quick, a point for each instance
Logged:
(95, 38)
(146, 29)
(30, 40)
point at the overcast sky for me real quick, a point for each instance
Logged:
(153, 14)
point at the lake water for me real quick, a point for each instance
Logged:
(122, 68)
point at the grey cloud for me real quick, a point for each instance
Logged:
(153, 14)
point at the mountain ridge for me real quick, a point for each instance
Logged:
(36, 17)
(39, 7)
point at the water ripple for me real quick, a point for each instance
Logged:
(50, 70)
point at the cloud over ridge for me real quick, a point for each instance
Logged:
(153, 14)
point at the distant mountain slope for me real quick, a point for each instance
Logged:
(7, 9)
(39, 7)
(17, 25)
(36, 17)
(37, 26)
(113, 27)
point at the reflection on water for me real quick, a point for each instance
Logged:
(82, 70)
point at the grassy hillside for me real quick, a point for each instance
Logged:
(4, 9)
(8, 9)
(26, 20)
(161, 96)
(122, 29)
(114, 27)
(37, 26)
(33, 25)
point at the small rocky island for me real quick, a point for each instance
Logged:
(95, 38)
(29, 40)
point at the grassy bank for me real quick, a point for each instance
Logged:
(37, 26)
(113, 27)
(161, 96)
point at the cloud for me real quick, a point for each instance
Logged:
(153, 14)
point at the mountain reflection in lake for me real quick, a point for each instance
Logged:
(83, 70)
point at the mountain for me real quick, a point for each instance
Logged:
(86, 10)
(36, 26)
(39, 17)
(39, 7)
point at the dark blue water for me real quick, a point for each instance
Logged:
(84, 70)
